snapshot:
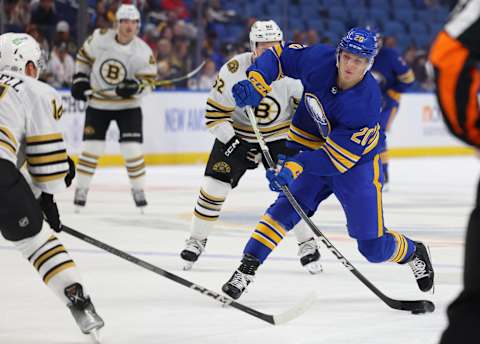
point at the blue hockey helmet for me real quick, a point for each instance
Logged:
(359, 41)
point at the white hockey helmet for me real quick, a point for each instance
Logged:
(17, 49)
(264, 31)
(126, 11)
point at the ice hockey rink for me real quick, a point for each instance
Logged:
(428, 199)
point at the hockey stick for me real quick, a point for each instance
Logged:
(416, 307)
(156, 83)
(281, 318)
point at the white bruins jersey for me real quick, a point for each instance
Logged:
(108, 63)
(29, 111)
(273, 114)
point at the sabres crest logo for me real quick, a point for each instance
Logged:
(315, 109)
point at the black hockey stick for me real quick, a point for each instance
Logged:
(416, 306)
(281, 318)
(156, 83)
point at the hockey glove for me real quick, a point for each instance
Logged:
(285, 173)
(50, 211)
(239, 150)
(80, 84)
(71, 172)
(127, 88)
(251, 91)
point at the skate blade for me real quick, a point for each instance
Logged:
(76, 209)
(95, 336)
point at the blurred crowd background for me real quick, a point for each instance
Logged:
(182, 33)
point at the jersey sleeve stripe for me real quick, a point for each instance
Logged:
(353, 157)
(277, 50)
(5, 131)
(46, 159)
(340, 158)
(211, 124)
(218, 106)
(407, 77)
(47, 177)
(85, 62)
(312, 145)
(40, 139)
(306, 135)
(83, 53)
(335, 163)
(216, 114)
(7, 145)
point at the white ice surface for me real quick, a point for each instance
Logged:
(429, 199)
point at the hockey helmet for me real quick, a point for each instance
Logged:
(126, 11)
(17, 49)
(264, 31)
(361, 42)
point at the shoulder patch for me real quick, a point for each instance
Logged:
(103, 31)
(296, 46)
(232, 66)
(151, 60)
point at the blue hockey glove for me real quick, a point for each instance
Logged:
(287, 172)
(245, 94)
(251, 91)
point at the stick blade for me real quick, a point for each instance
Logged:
(296, 310)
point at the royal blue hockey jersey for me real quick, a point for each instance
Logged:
(344, 130)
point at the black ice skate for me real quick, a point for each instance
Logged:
(242, 277)
(193, 249)
(80, 198)
(421, 266)
(310, 256)
(139, 198)
(84, 312)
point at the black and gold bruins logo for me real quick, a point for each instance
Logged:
(89, 130)
(222, 167)
(267, 111)
(113, 71)
(232, 66)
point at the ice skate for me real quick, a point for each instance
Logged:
(80, 199)
(193, 249)
(139, 198)
(241, 278)
(310, 256)
(83, 312)
(422, 268)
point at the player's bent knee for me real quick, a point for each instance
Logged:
(216, 187)
(29, 245)
(283, 212)
(374, 250)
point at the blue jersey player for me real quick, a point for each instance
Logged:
(336, 128)
(394, 77)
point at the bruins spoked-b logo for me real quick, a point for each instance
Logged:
(222, 167)
(267, 111)
(113, 71)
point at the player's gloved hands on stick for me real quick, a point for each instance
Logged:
(127, 88)
(284, 174)
(50, 211)
(245, 94)
(71, 172)
(239, 150)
